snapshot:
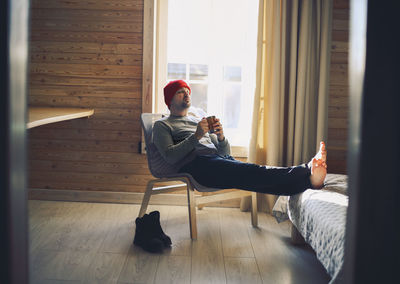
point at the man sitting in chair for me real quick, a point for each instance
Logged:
(187, 142)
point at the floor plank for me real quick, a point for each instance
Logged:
(281, 262)
(52, 231)
(121, 229)
(173, 269)
(139, 266)
(242, 270)
(73, 242)
(105, 268)
(207, 255)
(235, 239)
(177, 228)
(60, 265)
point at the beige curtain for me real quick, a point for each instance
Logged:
(290, 106)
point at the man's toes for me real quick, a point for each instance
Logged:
(323, 151)
(314, 161)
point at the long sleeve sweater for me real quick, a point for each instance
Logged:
(175, 140)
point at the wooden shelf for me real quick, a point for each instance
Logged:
(45, 115)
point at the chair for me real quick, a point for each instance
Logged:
(164, 172)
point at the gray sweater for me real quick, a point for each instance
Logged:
(174, 138)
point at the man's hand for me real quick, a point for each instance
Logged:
(202, 128)
(219, 130)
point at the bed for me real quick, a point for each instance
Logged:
(319, 218)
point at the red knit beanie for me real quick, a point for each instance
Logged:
(171, 88)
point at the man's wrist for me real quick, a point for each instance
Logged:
(198, 137)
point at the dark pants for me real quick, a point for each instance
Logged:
(226, 172)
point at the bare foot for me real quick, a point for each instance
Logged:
(318, 173)
(321, 154)
(318, 167)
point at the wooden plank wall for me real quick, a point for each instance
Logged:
(87, 54)
(339, 89)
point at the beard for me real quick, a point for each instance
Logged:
(185, 105)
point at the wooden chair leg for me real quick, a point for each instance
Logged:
(254, 211)
(146, 198)
(192, 212)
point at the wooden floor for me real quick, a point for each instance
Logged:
(92, 243)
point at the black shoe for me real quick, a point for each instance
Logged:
(146, 236)
(155, 220)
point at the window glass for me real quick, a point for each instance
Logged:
(176, 71)
(198, 72)
(215, 49)
(232, 93)
(233, 73)
(199, 96)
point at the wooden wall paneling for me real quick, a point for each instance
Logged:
(86, 70)
(335, 111)
(116, 113)
(341, 14)
(84, 25)
(88, 91)
(340, 46)
(88, 167)
(86, 47)
(84, 36)
(62, 81)
(85, 134)
(340, 36)
(98, 124)
(339, 75)
(95, 156)
(341, 4)
(87, 54)
(339, 57)
(340, 123)
(89, 145)
(91, 178)
(86, 58)
(338, 106)
(92, 187)
(339, 91)
(120, 5)
(130, 16)
(72, 185)
(103, 102)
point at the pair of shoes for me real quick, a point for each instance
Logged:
(149, 235)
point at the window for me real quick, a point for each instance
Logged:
(212, 44)
(196, 75)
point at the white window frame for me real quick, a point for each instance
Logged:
(155, 30)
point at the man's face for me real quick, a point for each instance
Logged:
(181, 99)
